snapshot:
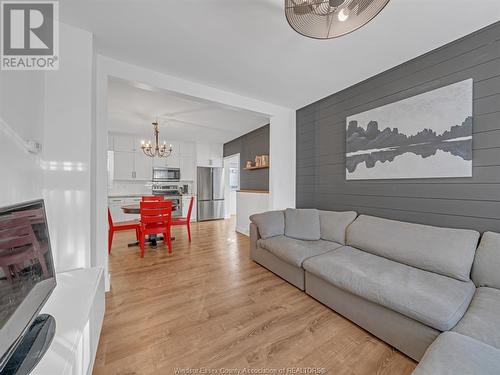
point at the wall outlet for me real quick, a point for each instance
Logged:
(34, 147)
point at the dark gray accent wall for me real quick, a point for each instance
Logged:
(454, 202)
(248, 146)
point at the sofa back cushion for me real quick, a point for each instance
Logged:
(302, 224)
(333, 225)
(270, 224)
(446, 251)
(486, 268)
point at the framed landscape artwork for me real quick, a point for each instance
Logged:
(426, 136)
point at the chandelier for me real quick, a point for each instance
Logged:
(161, 151)
(325, 19)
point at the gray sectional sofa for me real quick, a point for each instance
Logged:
(405, 283)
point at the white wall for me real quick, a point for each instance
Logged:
(53, 108)
(21, 119)
(67, 149)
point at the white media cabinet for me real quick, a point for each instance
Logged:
(77, 304)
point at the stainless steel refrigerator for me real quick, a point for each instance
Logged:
(210, 193)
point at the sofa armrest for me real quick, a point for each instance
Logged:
(254, 237)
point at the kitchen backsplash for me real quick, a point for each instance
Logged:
(139, 187)
(129, 187)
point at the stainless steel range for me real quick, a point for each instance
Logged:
(169, 192)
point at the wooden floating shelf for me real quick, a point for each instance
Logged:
(254, 168)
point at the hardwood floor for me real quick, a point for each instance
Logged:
(209, 306)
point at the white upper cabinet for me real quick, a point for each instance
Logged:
(124, 143)
(123, 165)
(203, 155)
(172, 161)
(143, 166)
(188, 168)
(187, 149)
(129, 162)
(209, 154)
(216, 152)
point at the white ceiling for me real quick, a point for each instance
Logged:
(132, 107)
(247, 47)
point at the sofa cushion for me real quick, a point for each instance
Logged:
(296, 251)
(302, 224)
(482, 319)
(486, 268)
(270, 224)
(455, 354)
(334, 224)
(435, 300)
(449, 252)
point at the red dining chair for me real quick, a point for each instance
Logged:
(120, 227)
(185, 220)
(153, 198)
(156, 217)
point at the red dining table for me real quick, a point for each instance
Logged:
(135, 209)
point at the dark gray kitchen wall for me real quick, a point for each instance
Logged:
(454, 202)
(248, 146)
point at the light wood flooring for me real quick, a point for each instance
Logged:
(208, 306)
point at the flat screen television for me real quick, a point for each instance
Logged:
(27, 277)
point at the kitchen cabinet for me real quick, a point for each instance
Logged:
(131, 166)
(209, 155)
(188, 168)
(185, 206)
(123, 165)
(173, 161)
(203, 155)
(127, 161)
(216, 154)
(143, 166)
(187, 149)
(125, 143)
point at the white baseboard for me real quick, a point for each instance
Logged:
(245, 231)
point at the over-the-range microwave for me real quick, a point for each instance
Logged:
(166, 174)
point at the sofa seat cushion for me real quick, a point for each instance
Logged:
(435, 300)
(454, 354)
(482, 319)
(296, 251)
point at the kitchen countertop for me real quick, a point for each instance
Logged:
(140, 195)
(126, 195)
(253, 191)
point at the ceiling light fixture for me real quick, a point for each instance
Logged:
(326, 19)
(161, 151)
(343, 15)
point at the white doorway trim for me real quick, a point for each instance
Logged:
(229, 194)
(282, 138)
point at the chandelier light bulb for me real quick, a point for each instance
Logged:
(158, 150)
(343, 15)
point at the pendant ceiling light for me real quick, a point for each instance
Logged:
(325, 19)
(161, 151)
